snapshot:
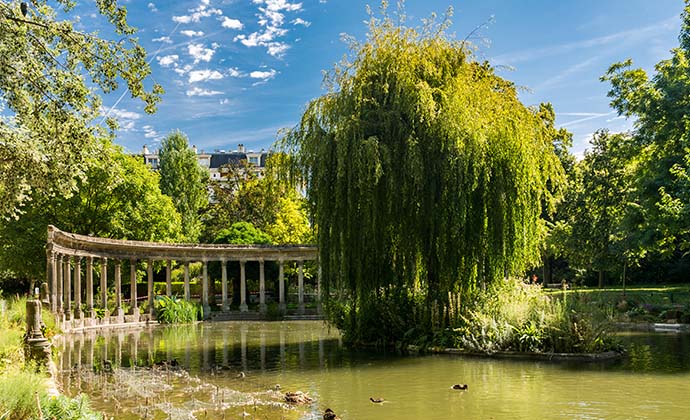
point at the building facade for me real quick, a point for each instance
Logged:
(219, 161)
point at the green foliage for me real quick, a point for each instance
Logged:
(660, 106)
(18, 394)
(118, 198)
(172, 310)
(269, 203)
(49, 80)
(184, 181)
(512, 315)
(424, 173)
(62, 407)
(242, 233)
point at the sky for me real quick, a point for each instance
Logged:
(238, 71)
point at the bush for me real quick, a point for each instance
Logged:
(172, 310)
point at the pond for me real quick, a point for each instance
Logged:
(230, 370)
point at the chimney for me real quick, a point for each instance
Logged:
(240, 148)
(146, 150)
(194, 148)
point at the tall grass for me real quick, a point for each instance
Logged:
(23, 388)
(172, 310)
(511, 315)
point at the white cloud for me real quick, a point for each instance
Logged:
(183, 70)
(277, 49)
(168, 60)
(152, 7)
(234, 72)
(197, 13)
(300, 21)
(200, 53)
(231, 23)
(224, 101)
(163, 39)
(196, 91)
(203, 75)
(191, 33)
(592, 116)
(271, 18)
(149, 132)
(126, 119)
(124, 114)
(265, 75)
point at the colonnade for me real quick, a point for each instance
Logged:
(70, 255)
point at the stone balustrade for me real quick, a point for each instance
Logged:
(69, 255)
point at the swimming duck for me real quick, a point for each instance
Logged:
(330, 415)
(376, 400)
(241, 375)
(297, 397)
(462, 387)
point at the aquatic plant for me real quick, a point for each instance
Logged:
(173, 310)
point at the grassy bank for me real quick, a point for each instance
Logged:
(508, 316)
(23, 385)
(670, 303)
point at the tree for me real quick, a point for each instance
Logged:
(269, 203)
(426, 176)
(662, 108)
(47, 78)
(594, 234)
(242, 233)
(184, 181)
(118, 198)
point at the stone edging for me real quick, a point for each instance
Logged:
(651, 327)
(558, 357)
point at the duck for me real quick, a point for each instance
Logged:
(297, 397)
(241, 375)
(376, 400)
(330, 415)
(462, 387)
(276, 387)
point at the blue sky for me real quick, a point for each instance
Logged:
(237, 71)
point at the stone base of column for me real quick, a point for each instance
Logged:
(282, 307)
(226, 307)
(244, 307)
(68, 315)
(106, 318)
(78, 314)
(300, 309)
(206, 314)
(120, 315)
(91, 313)
(262, 308)
(134, 310)
(319, 308)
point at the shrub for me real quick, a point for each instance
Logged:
(172, 310)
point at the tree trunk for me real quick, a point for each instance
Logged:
(625, 265)
(601, 278)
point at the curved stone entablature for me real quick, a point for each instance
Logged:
(70, 255)
(88, 246)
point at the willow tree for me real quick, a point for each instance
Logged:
(426, 176)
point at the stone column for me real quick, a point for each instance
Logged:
(89, 288)
(104, 287)
(149, 273)
(168, 280)
(204, 291)
(243, 288)
(67, 287)
(58, 278)
(134, 307)
(262, 288)
(187, 293)
(78, 314)
(224, 284)
(118, 292)
(300, 286)
(281, 286)
(52, 268)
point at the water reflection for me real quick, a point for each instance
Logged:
(183, 371)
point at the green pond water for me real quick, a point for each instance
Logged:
(653, 382)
